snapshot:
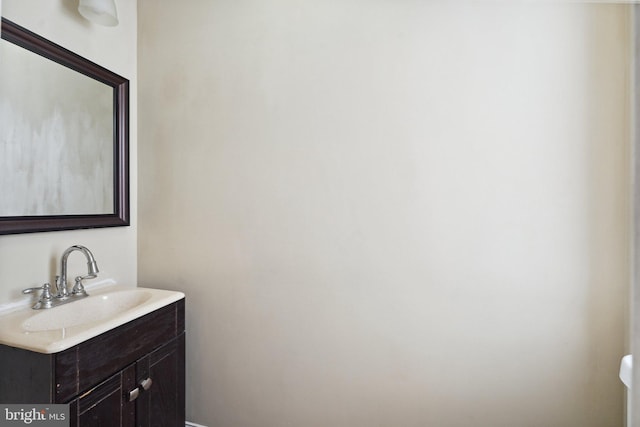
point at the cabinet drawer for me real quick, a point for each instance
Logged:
(94, 360)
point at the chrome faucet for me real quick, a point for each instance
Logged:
(78, 289)
(62, 295)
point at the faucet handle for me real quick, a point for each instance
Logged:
(46, 290)
(78, 288)
(45, 298)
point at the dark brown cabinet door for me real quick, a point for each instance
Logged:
(106, 404)
(162, 403)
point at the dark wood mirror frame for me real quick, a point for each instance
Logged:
(20, 36)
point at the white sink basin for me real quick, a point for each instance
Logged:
(58, 328)
(90, 309)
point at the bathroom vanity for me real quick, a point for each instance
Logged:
(132, 374)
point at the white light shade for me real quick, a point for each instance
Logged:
(101, 12)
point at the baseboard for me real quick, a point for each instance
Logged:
(190, 424)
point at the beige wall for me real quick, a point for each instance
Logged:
(31, 259)
(390, 213)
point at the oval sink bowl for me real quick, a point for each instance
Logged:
(90, 309)
(56, 329)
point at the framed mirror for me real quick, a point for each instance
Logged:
(64, 138)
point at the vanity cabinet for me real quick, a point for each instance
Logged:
(133, 375)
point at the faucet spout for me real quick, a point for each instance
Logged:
(92, 269)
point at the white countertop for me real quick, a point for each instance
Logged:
(53, 330)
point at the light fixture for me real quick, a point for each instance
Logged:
(101, 12)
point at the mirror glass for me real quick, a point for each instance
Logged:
(64, 124)
(56, 140)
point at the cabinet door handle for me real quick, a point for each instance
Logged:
(144, 386)
(133, 394)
